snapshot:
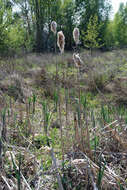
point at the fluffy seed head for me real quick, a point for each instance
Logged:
(61, 41)
(53, 27)
(77, 60)
(76, 35)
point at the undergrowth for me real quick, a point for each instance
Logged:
(65, 131)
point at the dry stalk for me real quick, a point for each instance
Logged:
(56, 59)
(80, 119)
(39, 183)
(5, 180)
(20, 113)
(29, 129)
(57, 173)
(92, 178)
(67, 122)
(4, 126)
(54, 29)
(1, 148)
(77, 136)
(11, 107)
(61, 129)
(86, 135)
(61, 44)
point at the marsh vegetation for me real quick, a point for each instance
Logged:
(60, 127)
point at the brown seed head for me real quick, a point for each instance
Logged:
(76, 35)
(61, 41)
(53, 27)
(77, 60)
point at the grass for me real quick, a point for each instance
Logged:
(80, 126)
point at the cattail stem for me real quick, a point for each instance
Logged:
(20, 113)
(76, 140)
(61, 129)
(56, 59)
(4, 127)
(67, 122)
(77, 74)
(80, 119)
(56, 168)
(11, 108)
(1, 148)
(28, 129)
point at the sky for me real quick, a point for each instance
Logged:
(115, 5)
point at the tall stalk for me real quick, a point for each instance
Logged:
(4, 129)
(61, 44)
(67, 123)
(54, 30)
(47, 118)
(61, 129)
(1, 148)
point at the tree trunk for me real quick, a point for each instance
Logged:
(39, 28)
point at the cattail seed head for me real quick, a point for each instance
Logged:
(61, 41)
(76, 35)
(77, 60)
(53, 27)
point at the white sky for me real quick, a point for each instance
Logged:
(115, 5)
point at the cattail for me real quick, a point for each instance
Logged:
(53, 27)
(76, 35)
(77, 60)
(61, 41)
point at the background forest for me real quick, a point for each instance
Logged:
(25, 24)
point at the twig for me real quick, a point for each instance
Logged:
(5, 180)
(57, 173)
(92, 179)
(39, 184)
(109, 125)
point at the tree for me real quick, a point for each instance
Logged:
(22, 20)
(68, 22)
(5, 21)
(109, 35)
(17, 37)
(33, 19)
(120, 26)
(91, 36)
(87, 8)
